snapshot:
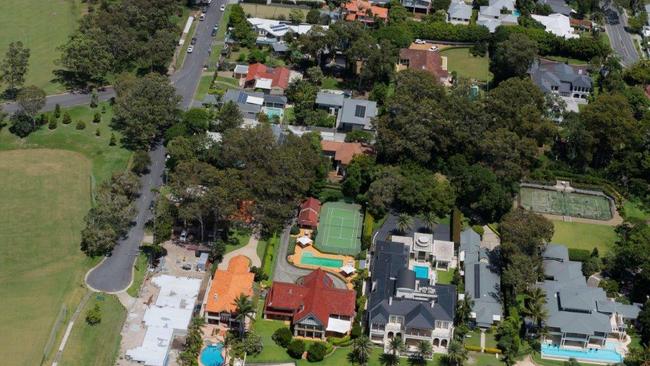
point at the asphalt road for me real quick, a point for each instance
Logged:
(66, 100)
(115, 272)
(620, 40)
(286, 272)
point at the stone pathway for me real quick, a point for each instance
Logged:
(490, 239)
(482, 340)
(249, 250)
(125, 299)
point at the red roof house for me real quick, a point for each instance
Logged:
(314, 306)
(268, 78)
(341, 153)
(309, 211)
(425, 60)
(364, 11)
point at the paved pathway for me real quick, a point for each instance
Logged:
(286, 272)
(490, 239)
(68, 330)
(482, 340)
(249, 250)
(66, 100)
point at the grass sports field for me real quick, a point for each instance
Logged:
(44, 197)
(566, 204)
(42, 25)
(339, 228)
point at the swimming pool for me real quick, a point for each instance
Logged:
(211, 355)
(308, 258)
(272, 112)
(516, 13)
(607, 355)
(421, 272)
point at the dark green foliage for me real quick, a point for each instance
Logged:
(141, 162)
(296, 348)
(98, 132)
(80, 125)
(97, 117)
(241, 29)
(630, 260)
(14, 66)
(22, 124)
(449, 32)
(295, 230)
(53, 124)
(356, 331)
(94, 315)
(113, 140)
(513, 57)
(358, 136)
(282, 337)
(66, 118)
(644, 322)
(313, 16)
(580, 255)
(260, 276)
(316, 352)
(57, 111)
(193, 343)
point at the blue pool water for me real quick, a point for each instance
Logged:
(516, 13)
(211, 355)
(607, 355)
(421, 272)
(272, 112)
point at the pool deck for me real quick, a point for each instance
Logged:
(295, 260)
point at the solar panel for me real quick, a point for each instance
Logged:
(242, 98)
(279, 27)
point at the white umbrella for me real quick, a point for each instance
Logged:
(348, 269)
(303, 240)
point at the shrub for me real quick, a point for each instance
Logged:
(80, 125)
(478, 229)
(368, 226)
(296, 348)
(591, 266)
(579, 255)
(494, 351)
(94, 315)
(358, 136)
(103, 109)
(141, 162)
(42, 119)
(22, 125)
(330, 195)
(66, 118)
(97, 117)
(260, 276)
(356, 331)
(282, 337)
(113, 140)
(98, 132)
(295, 230)
(57, 111)
(473, 348)
(52, 125)
(317, 352)
(340, 341)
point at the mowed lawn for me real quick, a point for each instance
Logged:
(584, 236)
(270, 11)
(82, 347)
(466, 65)
(44, 197)
(42, 25)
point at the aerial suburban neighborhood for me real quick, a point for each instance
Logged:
(324, 182)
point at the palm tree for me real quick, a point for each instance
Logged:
(464, 309)
(388, 359)
(361, 350)
(404, 223)
(430, 221)
(424, 350)
(244, 309)
(535, 305)
(395, 345)
(456, 353)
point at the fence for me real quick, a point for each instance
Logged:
(63, 312)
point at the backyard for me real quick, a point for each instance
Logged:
(46, 180)
(584, 236)
(82, 349)
(271, 11)
(42, 26)
(460, 60)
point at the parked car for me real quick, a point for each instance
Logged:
(419, 41)
(190, 49)
(183, 237)
(193, 41)
(202, 17)
(222, 8)
(187, 266)
(214, 32)
(204, 9)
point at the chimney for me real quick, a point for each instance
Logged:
(390, 301)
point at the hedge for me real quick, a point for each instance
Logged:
(492, 350)
(449, 32)
(311, 4)
(339, 341)
(473, 348)
(368, 227)
(579, 255)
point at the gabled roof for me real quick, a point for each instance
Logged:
(557, 24)
(314, 297)
(358, 112)
(345, 151)
(279, 76)
(357, 8)
(424, 60)
(309, 211)
(459, 9)
(330, 99)
(556, 251)
(229, 284)
(558, 6)
(546, 74)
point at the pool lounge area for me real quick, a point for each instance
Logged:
(608, 355)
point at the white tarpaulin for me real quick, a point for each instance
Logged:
(303, 240)
(338, 325)
(263, 83)
(348, 269)
(254, 100)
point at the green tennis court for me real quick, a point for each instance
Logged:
(339, 228)
(565, 203)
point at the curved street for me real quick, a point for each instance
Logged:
(114, 274)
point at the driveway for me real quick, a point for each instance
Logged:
(286, 272)
(115, 272)
(621, 41)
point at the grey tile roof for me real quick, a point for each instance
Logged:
(389, 261)
(558, 6)
(627, 311)
(329, 99)
(549, 74)
(556, 251)
(349, 112)
(459, 10)
(280, 47)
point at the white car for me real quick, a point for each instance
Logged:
(419, 41)
(183, 236)
(222, 8)
(202, 17)
(190, 49)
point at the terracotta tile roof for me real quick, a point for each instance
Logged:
(316, 296)
(364, 8)
(345, 151)
(580, 23)
(424, 60)
(229, 284)
(279, 75)
(309, 211)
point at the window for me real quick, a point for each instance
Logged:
(396, 319)
(360, 111)
(442, 324)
